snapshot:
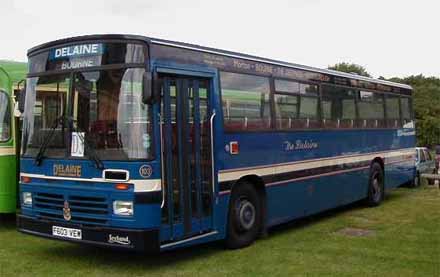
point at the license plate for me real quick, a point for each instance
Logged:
(66, 232)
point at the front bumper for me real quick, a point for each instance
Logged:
(136, 240)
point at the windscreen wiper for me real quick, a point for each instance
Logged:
(40, 156)
(90, 151)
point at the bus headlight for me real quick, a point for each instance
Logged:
(27, 198)
(121, 207)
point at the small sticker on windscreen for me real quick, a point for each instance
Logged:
(77, 149)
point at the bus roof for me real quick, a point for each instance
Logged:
(213, 51)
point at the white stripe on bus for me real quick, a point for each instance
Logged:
(150, 185)
(235, 174)
(7, 151)
(221, 193)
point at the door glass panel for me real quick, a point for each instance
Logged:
(205, 149)
(175, 154)
(200, 151)
(170, 138)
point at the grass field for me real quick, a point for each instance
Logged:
(16, 70)
(399, 238)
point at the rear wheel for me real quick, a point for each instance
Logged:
(376, 188)
(244, 217)
(432, 181)
(416, 182)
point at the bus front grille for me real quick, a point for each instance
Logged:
(84, 210)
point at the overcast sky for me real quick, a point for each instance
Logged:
(388, 37)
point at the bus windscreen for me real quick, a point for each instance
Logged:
(106, 110)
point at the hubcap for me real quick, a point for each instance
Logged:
(376, 188)
(246, 215)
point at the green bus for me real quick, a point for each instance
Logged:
(8, 162)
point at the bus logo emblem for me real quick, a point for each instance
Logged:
(66, 211)
(145, 171)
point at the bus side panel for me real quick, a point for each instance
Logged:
(296, 199)
(221, 215)
(8, 188)
(355, 185)
(313, 178)
(285, 202)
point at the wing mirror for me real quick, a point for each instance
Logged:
(22, 99)
(150, 88)
(149, 95)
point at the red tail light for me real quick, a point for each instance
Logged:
(25, 179)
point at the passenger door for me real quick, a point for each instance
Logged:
(186, 156)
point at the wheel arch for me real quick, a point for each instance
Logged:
(380, 161)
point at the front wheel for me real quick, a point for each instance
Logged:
(376, 188)
(244, 218)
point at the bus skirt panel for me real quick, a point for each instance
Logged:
(130, 239)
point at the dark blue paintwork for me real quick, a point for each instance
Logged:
(270, 148)
(284, 202)
(297, 199)
(146, 216)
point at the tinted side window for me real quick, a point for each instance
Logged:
(338, 107)
(371, 110)
(296, 105)
(245, 101)
(5, 117)
(407, 118)
(427, 155)
(393, 110)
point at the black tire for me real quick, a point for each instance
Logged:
(432, 181)
(244, 217)
(416, 182)
(376, 188)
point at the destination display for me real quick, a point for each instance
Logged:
(85, 55)
(77, 51)
(76, 56)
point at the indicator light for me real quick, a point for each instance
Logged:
(233, 147)
(122, 186)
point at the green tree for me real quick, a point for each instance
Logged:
(350, 68)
